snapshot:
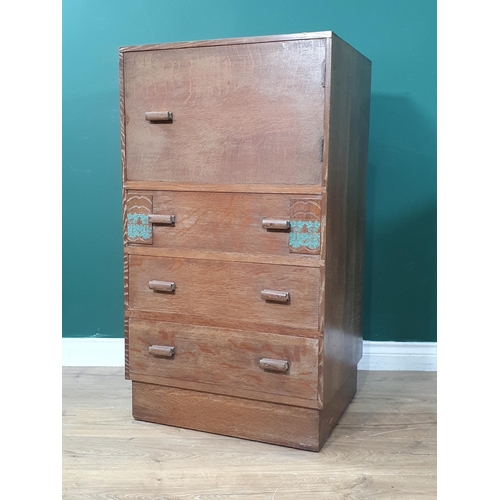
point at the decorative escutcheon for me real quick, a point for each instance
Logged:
(138, 229)
(305, 226)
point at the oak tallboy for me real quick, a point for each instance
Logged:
(243, 214)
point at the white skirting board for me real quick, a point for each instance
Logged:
(406, 356)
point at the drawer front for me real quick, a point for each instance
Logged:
(270, 224)
(234, 291)
(235, 114)
(232, 360)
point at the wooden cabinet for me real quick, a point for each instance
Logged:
(243, 215)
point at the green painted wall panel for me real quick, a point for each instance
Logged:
(400, 39)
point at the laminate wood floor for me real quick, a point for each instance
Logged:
(384, 447)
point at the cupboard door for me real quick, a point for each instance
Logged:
(249, 113)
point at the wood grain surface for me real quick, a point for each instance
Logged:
(221, 222)
(230, 290)
(222, 135)
(349, 85)
(224, 188)
(124, 206)
(238, 417)
(300, 260)
(252, 325)
(216, 358)
(383, 448)
(228, 41)
(243, 113)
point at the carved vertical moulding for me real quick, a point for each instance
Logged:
(305, 225)
(138, 207)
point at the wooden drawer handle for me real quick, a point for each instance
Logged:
(162, 286)
(159, 116)
(275, 365)
(275, 224)
(161, 219)
(275, 296)
(165, 351)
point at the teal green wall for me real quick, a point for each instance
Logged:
(399, 36)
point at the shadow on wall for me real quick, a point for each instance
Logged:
(400, 252)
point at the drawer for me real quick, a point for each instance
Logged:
(251, 114)
(270, 224)
(226, 291)
(225, 361)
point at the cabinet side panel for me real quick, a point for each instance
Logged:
(356, 203)
(347, 154)
(331, 414)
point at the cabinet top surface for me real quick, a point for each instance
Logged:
(229, 41)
